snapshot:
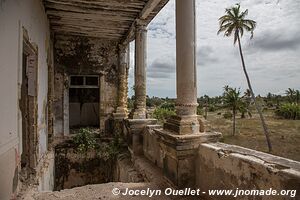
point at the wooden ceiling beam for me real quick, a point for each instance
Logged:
(149, 7)
(112, 18)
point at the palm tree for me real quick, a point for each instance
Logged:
(233, 101)
(234, 22)
(291, 93)
(297, 96)
(245, 106)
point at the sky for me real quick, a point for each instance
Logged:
(272, 57)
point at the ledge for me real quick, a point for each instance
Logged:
(227, 149)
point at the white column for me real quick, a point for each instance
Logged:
(186, 121)
(140, 72)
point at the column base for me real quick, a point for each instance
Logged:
(121, 113)
(183, 125)
(139, 114)
(180, 153)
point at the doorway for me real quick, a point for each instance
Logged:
(28, 105)
(84, 101)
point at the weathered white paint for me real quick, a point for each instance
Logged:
(14, 15)
(47, 173)
(231, 167)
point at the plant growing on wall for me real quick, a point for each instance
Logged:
(84, 140)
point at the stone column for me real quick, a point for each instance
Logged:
(180, 138)
(186, 121)
(140, 71)
(121, 111)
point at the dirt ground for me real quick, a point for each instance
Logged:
(285, 134)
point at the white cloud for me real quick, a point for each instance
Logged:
(272, 57)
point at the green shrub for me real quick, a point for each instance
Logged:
(109, 151)
(84, 140)
(161, 114)
(289, 111)
(200, 110)
(168, 106)
(212, 108)
(227, 115)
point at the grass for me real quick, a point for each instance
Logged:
(285, 134)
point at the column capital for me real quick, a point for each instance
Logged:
(141, 25)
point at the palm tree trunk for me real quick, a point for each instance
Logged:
(258, 108)
(234, 119)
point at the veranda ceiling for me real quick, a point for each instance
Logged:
(110, 19)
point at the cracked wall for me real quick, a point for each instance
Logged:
(14, 16)
(76, 55)
(75, 169)
(231, 167)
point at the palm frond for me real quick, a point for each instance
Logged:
(243, 14)
(241, 30)
(234, 21)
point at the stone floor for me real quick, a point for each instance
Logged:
(152, 175)
(104, 191)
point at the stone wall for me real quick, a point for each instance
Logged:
(222, 166)
(75, 55)
(151, 145)
(74, 169)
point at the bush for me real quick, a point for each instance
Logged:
(168, 106)
(161, 114)
(84, 140)
(211, 108)
(289, 111)
(227, 115)
(199, 110)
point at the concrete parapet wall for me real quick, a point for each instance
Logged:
(135, 132)
(151, 146)
(222, 166)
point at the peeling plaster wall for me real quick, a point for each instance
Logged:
(13, 16)
(151, 145)
(222, 166)
(76, 55)
(46, 173)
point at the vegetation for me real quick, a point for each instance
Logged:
(289, 111)
(234, 22)
(293, 95)
(285, 133)
(109, 151)
(233, 101)
(84, 140)
(278, 110)
(165, 111)
(227, 115)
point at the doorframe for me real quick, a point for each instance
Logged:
(68, 81)
(31, 140)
